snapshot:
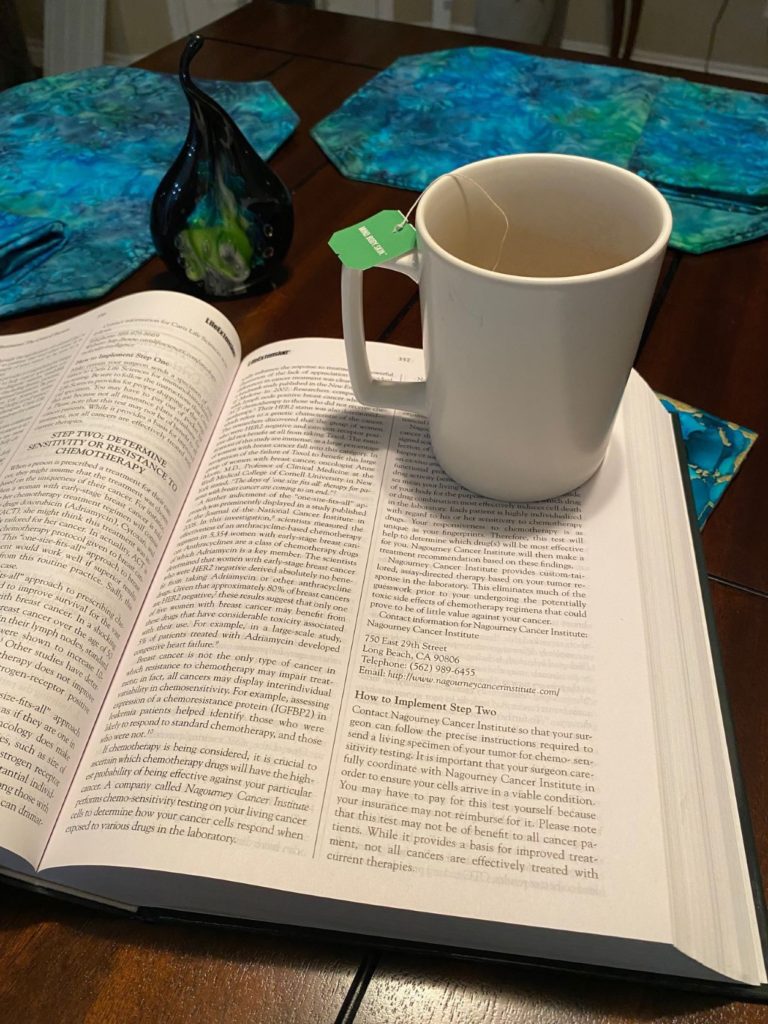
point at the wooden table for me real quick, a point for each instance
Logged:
(707, 343)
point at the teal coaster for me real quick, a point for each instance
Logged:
(715, 449)
(426, 115)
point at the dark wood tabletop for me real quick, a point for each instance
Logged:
(706, 343)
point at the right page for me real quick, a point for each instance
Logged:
(353, 679)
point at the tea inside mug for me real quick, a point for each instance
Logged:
(563, 219)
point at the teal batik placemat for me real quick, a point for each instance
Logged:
(715, 450)
(81, 155)
(705, 147)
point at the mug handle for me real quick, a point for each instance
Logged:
(408, 396)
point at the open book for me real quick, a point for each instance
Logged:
(262, 659)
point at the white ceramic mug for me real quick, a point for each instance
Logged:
(536, 274)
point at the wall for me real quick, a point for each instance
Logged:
(671, 31)
(678, 32)
(133, 27)
(136, 26)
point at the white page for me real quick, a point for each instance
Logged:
(237, 758)
(93, 482)
(30, 365)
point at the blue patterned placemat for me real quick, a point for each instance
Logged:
(715, 450)
(705, 147)
(81, 155)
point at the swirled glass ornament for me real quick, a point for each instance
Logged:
(221, 218)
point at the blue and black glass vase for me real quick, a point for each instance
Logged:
(220, 217)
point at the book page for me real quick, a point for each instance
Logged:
(30, 365)
(353, 678)
(97, 467)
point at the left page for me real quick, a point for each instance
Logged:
(104, 420)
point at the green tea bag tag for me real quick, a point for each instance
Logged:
(384, 236)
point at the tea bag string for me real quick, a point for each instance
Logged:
(459, 178)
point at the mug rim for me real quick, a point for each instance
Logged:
(648, 254)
